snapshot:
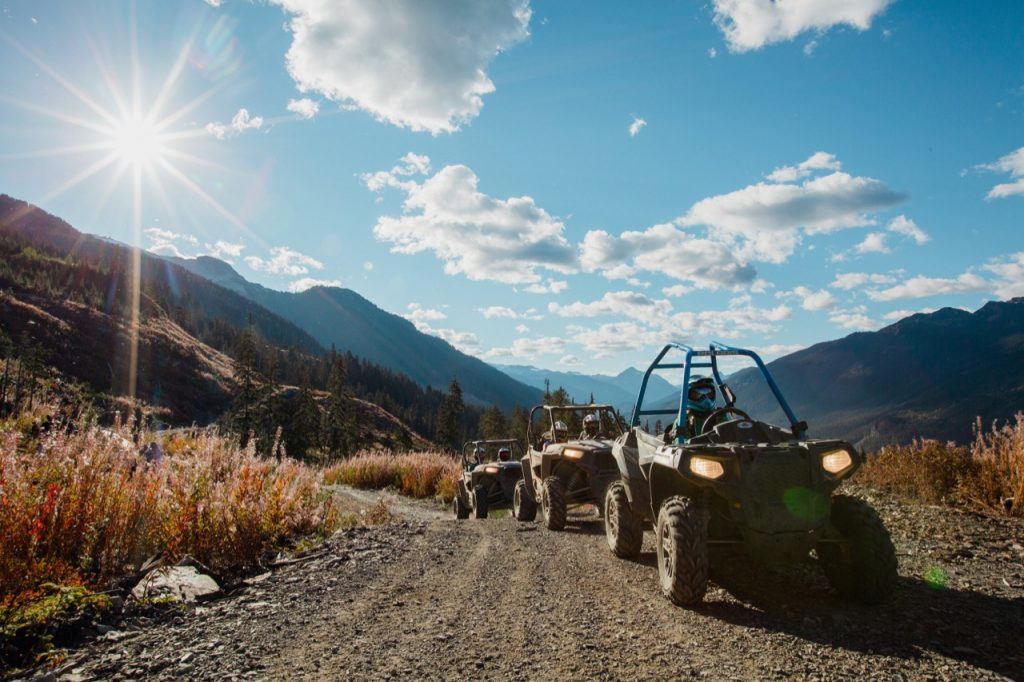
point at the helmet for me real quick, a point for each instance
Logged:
(700, 395)
(479, 454)
(560, 426)
(590, 419)
(591, 423)
(504, 454)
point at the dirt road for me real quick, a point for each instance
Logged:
(496, 599)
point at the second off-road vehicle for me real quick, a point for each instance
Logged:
(490, 471)
(727, 480)
(562, 468)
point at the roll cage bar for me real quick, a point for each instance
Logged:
(714, 351)
(472, 445)
(592, 407)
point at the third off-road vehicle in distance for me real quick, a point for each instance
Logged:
(563, 467)
(743, 483)
(490, 471)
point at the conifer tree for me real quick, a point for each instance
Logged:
(244, 411)
(493, 424)
(339, 422)
(449, 417)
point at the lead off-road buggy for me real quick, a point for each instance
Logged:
(490, 471)
(561, 468)
(742, 483)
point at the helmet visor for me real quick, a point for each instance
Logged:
(699, 393)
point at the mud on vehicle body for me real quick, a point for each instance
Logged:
(741, 483)
(561, 470)
(490, 471)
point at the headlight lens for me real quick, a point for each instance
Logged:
(572, 453)
(706, 468)
(492, 470)
(836, 462)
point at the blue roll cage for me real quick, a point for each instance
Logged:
(715, 350)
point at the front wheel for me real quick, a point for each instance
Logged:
(523, 506)
(459, 507)
(862, 567)
(622, 529)
(480, 502)
(552, 503)
(682, 551)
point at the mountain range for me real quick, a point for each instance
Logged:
(343, 319)
(619, 390)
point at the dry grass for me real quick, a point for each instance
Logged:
(87, 508)
(988, 474)
(416, 474)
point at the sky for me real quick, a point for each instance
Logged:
(565, 184)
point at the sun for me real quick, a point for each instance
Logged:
(137, 141)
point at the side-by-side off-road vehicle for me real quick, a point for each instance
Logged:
(490, 471)
(740, 483)
(569, 460)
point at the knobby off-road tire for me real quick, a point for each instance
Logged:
(523, 506)
(682, 547)
(552, 503)
(480, 502)
(621, 527)
(865, 570)
(460, 509)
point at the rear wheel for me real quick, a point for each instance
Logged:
(621, 527)
(682, 548)
(480, 502)
(459, 507)
(863, 567)
(523, 506)
(552, 503)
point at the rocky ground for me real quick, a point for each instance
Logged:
(430, 597)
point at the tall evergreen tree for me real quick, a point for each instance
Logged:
(245, 409)
(449, 418)
(339, 422)
(494, 425)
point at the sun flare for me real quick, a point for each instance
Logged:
(137, 141)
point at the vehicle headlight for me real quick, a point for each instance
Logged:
(706, 468)
(836, 461)
(572, 453)
(492, 470)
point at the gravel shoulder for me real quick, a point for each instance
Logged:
(431, 597)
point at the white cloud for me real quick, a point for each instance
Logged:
(777, 350)
(168, 243)
(284, 261)
(500, 311)
(676, 290)
(816, 161)
(766, 220)
(712, 52)
(522, 329)
(920, 287)
(854, 318)
(873, 242)
(418, 313)
(399, 175)
(1010, 270)
(467, 342)
(668, 250)
(309, 282)
(852, 280)
(636, 126)
(903, 225)
(415, 64)
(611, 338)
(213, 3)
(822, 299)
(552, 286)
(224, 250)
(569, 361)
(367, 265)
(241, 122)
(481, 237)
(305, 107)
(895, 315)
(529, 348)
(1012, 163)
(625, 303)
(752, 24)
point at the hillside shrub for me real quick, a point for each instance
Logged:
(414, 474)
(987, 475)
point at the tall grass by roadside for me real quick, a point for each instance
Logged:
(414, 474)
(988, 474)
(86, 508)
